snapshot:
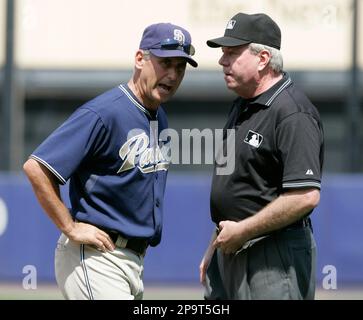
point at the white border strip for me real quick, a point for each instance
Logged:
(283, 86)
(49, 167)
(301, 184)
(83, 263)
(134, 101)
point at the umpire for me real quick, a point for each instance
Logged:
(263, 247)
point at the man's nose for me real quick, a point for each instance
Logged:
(172, 73)
(223, 61)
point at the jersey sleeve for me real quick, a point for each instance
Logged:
(75, 140)
(300, 145)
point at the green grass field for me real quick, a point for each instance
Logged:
(10, 291)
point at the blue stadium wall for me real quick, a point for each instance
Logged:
(29, 237)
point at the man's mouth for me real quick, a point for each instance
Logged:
(165, 87)
(227, 76)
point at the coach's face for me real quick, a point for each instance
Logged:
(159, 79)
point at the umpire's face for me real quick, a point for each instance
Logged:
(241, 69)
(159, 78)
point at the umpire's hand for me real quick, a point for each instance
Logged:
(231, 236)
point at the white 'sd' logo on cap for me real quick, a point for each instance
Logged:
(231, 24)
(3, 217)
(179, 36)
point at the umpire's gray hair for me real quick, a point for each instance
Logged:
(276, 62)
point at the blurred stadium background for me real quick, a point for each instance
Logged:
(57, 54)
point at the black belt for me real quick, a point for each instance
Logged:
(137, 245)
(302, 223)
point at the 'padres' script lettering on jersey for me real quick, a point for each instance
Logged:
(135, 151)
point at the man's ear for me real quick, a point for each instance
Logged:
(265, 57)
(139, 59)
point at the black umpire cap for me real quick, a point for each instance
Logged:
(247, 28)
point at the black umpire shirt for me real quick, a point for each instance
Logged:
(278, 147)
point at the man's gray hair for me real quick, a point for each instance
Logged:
(276, 61)
(146, 54)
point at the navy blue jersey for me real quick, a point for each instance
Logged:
(114, 162)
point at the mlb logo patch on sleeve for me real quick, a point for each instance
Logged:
(254, 139)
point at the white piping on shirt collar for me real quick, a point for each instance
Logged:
(131, 98)
(278, 91)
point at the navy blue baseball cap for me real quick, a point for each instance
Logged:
(168, 40)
